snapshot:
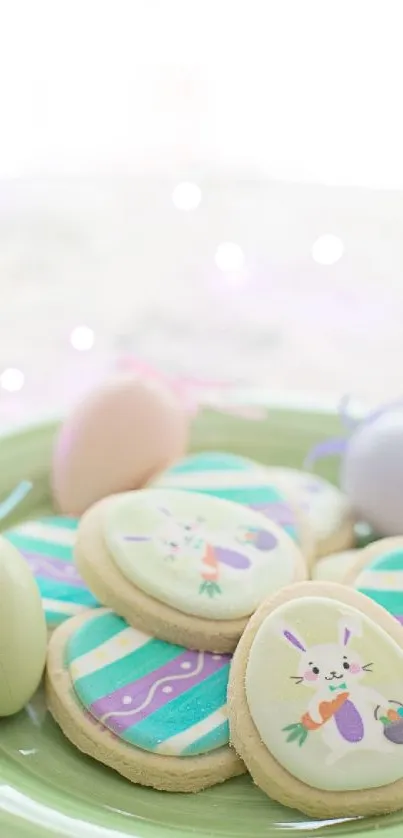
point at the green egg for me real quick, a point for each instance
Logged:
(23, 636)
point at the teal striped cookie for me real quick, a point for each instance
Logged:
(47, 545)
(240, 480)
(165, 705)
(379, 574)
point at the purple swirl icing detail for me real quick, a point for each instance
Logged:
(51, 568)
(145, 697)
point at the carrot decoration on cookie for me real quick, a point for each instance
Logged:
(213, 557)
(210, 573)
(327, 709)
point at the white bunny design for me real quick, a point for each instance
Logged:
(341, 709)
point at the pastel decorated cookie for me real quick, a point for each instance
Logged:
(315, 702)
(244, 481)
(378, 574)
(186, 567)
(336, 566)
(47, 545)
(328, 510)
(153, 711)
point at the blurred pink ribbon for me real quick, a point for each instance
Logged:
(194, 393)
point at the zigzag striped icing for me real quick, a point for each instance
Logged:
(233, 478)
(382, 581)
(154, 695)
(47, 545)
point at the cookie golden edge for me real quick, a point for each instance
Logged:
(267, 773)
(142, 611)
(165, 773)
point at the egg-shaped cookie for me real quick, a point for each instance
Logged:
(315, 702)
(378, 573)
(186, 567)
(153, 711)
(241, 480)
(47, 545)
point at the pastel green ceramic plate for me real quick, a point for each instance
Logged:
(48, 789)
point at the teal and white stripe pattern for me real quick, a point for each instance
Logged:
(233, 478)
(47, 545)
(153, 695)
(382, 581)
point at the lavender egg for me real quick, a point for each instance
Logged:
(372, 472)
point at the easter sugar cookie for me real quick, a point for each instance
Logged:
(336, 566)
(186, 567)
(316, 702)
(47, 545)
(328, 510)
(153, 711)
(244, 481)
(378, 573)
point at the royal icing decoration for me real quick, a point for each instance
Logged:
(324, 688)
(199, 554)
(233, 478)
(324, 505)
(154, 695)
(47, 545)
(382, 581)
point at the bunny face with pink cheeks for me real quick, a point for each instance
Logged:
(329, 665)
(341, 708)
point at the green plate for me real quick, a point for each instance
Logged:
(48, 789)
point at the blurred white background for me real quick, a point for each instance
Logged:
(284, 116)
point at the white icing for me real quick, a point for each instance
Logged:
(197, 553)
(281, 685)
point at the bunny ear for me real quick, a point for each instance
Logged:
(291, 637)
(349, 626)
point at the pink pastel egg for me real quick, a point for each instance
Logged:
(117, 439)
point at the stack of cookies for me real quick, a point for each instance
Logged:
(197, 633)
(178, 568)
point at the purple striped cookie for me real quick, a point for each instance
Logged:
(160, 704)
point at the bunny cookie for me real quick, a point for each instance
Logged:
(187, 568)
(315, 701)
